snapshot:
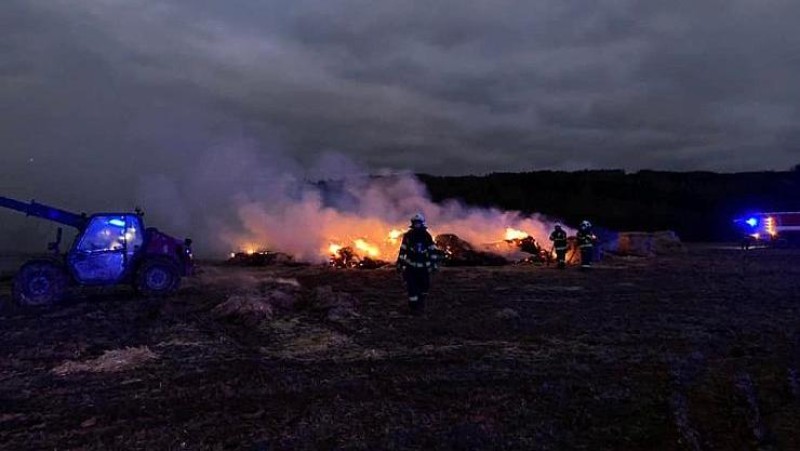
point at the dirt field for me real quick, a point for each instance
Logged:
(694, 353)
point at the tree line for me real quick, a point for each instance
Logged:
(699, 206)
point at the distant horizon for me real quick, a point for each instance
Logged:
(625, 171)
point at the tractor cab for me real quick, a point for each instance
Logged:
(110, 249)
(106, 250)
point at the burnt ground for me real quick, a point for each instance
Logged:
(670, 353)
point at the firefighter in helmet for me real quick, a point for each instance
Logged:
(586, 240)
(559, 239)
(417, 259)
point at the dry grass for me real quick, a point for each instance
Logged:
(696, 352)
(110, 362)
(250, 309)
(507, 314)
(315, 343)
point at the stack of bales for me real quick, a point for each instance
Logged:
(645, 244)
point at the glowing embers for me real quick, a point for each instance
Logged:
(260, 258)
(362, 255)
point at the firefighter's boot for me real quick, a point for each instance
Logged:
(586, 258)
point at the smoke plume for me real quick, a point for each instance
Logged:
(238, 199)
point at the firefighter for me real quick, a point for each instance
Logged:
(559, 239)
(586, 240)
(418, 258)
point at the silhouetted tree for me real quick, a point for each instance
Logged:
(697, 205)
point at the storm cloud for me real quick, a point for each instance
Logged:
(442, 87)
(97, 94)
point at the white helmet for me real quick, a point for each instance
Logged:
(419, 217)
(586, 225)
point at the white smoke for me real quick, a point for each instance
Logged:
(237, 199)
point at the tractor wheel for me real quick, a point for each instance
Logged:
(40, 283)
(157, 278)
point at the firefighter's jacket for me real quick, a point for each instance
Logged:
(559, 239)
(586, 239)
(418, 250)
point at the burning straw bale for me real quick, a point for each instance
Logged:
(110, 362)
(457, 252)
(347, 257)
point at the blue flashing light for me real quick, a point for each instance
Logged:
(116, 222)
(752, 222)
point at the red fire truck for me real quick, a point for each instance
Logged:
(775, 227)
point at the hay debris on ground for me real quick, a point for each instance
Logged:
(286, 281)
(316, 342)
(261, 302)
(111, 361)
(238, 282)
(249, 309)
(337, 305)
(507, 314)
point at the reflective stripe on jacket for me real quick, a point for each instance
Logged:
(586, 239)
(559, 239)
(418, 250)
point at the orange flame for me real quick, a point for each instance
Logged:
(513, 234)
(395, 235)
(370, 250)
(380, 240)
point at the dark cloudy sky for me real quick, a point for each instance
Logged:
(102, 91)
